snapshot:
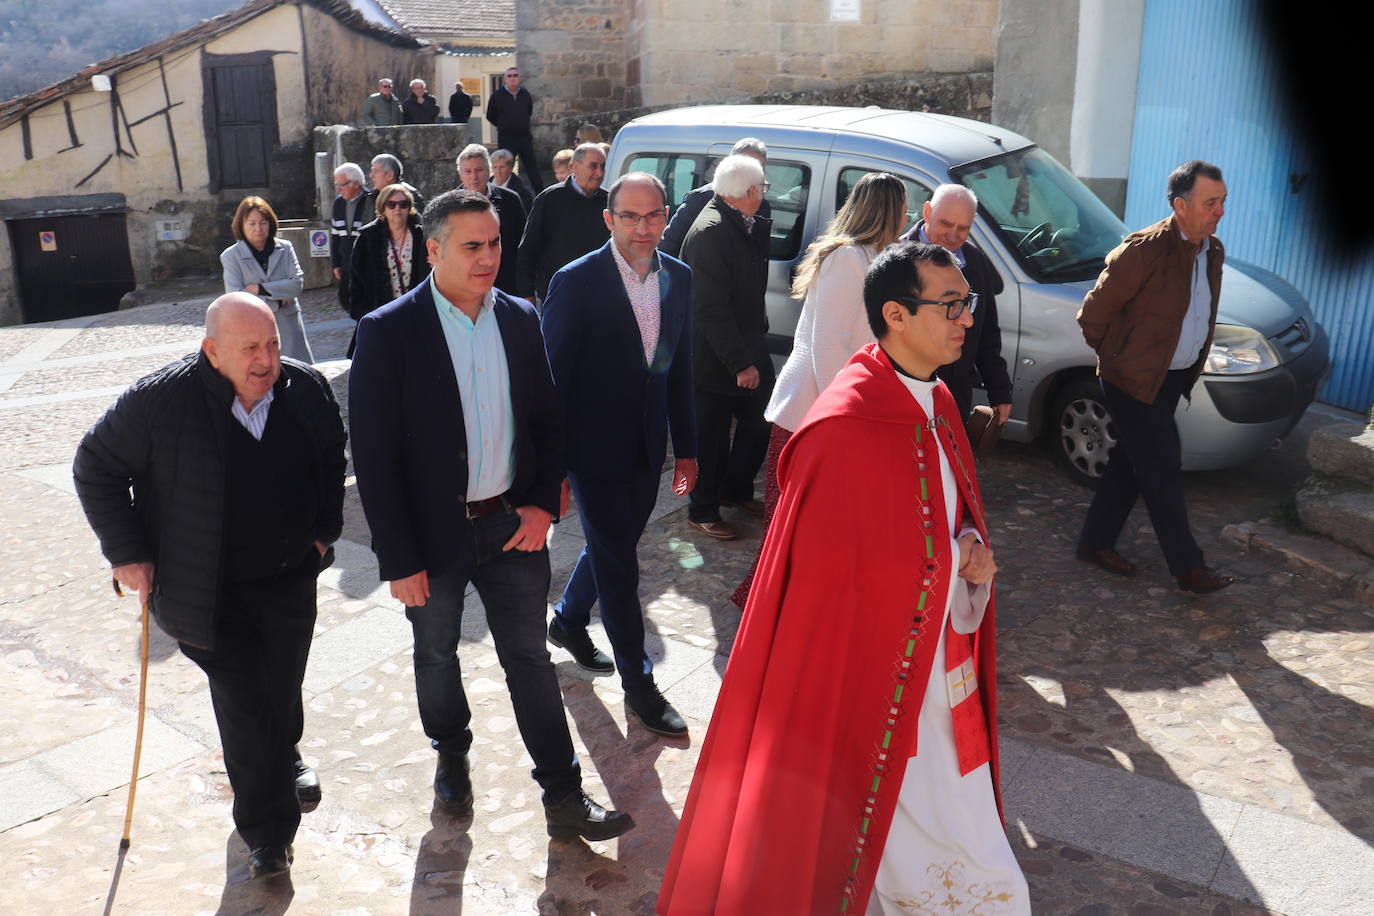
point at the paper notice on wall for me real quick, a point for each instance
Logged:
(844, 10)
(47, 240)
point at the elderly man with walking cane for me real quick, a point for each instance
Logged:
(215, 486)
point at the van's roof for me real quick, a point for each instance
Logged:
(953, 139)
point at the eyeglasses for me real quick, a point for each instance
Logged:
(340, 185)
(765, 185)
(653, 220)
(953, 307)
(398, 205)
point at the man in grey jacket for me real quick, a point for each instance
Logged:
(382, 108)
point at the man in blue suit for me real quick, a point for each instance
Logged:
(618, 330)
(459, 460)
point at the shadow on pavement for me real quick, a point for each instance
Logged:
(440, 866)
(268, 897)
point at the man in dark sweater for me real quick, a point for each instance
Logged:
(474, 174)
(565, 224)
(459, 105)
(510, 109)
(235, 461)
(419, 107)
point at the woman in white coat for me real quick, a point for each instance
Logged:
(262, 264)
(833, 324)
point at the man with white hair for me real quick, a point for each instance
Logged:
(215, 486)
(474, 174)
(419, 107)
(698, 198)
(727, 249)
(387, 170)
(351, 212)
(945, 221)
(503, 176)
(565, 223)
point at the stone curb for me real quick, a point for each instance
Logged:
(1321, 560)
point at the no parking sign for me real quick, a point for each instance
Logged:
(319, 243)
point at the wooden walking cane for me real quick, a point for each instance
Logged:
(142, 709)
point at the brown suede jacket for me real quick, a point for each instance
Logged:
(1134, 314)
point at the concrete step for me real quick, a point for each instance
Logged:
(1341, 509)
(1316, 558)
(1343, 449)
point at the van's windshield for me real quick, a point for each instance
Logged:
(1057, 228)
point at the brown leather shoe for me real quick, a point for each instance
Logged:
(721, 531)
(1204, 579)
(1108, 559)
(748, 507)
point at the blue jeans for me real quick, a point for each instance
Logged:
(513, 586)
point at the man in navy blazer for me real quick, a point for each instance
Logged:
(618, 330)
(459, 461)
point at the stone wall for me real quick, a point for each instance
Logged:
(573, 55)
(428, 152)
(965, 95)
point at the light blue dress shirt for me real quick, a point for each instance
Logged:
(1195, 323)
(479, 362)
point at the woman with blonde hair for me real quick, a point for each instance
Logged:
(833, 324)
(266, 266)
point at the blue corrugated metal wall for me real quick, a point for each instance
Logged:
(1208, 90)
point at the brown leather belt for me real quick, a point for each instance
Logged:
(488, 506)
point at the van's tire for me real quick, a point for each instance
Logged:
(1080, 431)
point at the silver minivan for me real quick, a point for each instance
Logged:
(1043, 230)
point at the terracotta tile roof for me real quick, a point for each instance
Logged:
(15, 108)
(436, 18)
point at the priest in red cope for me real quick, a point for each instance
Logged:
(851, 763)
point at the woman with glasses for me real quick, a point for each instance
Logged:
(264, 265)
(389, 256)
(832, 326)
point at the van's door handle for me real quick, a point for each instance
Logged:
(1295, 181)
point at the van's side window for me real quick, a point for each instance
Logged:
(679, 172)
(916, 194)
(789, 188)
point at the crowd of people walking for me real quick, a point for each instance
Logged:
(520, 347)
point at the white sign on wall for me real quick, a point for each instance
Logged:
(319, 243)
(844, 10)
(170, 230)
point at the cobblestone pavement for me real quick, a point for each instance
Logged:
(1163, 754)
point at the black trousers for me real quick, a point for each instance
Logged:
(255, 672)
(1147, 461)
(614, 512)
(726, 468)
(523, 148)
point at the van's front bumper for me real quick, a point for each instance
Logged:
(1232, 418)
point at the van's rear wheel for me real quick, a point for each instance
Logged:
(1081, 430)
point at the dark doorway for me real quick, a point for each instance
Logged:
(71, 265)
(240, 119)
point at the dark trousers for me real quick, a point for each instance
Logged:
(1147, 461)
(726, 468)
(614, 513)
(523, 148)
(255, 672)
(513, 586)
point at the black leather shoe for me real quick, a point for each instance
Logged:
(453, 785)
(307, 786)
(267, 861)
(578, 815)
(1106, 558)
(584, 652)
(652, 708)
(1203, 580)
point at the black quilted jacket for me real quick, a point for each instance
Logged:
(164, 439)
